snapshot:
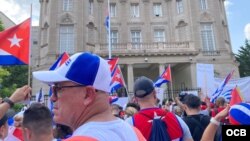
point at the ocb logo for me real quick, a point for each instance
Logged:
(236, 132)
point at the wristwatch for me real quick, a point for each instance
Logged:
(7, 100)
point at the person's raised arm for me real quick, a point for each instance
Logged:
(19, 95)
(210, 131)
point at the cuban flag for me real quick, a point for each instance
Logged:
(14, 134)
(106, 22)
(219, 90)
(61, 59)
(113, 98)
(227, 95)
(236, 96)
(113, 64)
(14, 44)
(40, 96)
(164, 78)
(117, 80)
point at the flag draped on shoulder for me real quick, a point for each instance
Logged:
(219, 90)
(14, 44)
(236, 96)
(164, 78)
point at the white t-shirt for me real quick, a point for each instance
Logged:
(116, 130)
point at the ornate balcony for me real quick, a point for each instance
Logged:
(135, 49)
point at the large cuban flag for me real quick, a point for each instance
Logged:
(14, 44)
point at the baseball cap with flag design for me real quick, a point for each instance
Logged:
(239, 114)
(83, 68)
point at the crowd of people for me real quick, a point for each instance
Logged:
(82, 111)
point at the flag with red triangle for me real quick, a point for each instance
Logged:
(14, 44)
(61, 59)
(236, 97)
(117, 80)
(112, 64)
(164, 78)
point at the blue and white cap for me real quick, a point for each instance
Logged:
(239, 114)
(83, 68)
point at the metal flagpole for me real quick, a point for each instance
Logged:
(109, 25)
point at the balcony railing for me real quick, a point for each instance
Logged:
(211, 53)
(147, 48)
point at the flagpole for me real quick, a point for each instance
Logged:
(123, 81)
(29, 65)
(109, 25)
(169, 66)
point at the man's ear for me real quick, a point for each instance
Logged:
(27, 133)
(90, 95)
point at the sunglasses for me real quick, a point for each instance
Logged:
(58, 89)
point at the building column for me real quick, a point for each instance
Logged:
(130, 78)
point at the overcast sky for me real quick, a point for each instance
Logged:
(237, 14)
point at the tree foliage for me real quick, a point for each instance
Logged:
(17, 77)
(243, 57)
(1, 25)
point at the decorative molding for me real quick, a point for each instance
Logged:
(123, 1)
(181, 23)
(116, 23)
(158, 23)
(206, 17)
(45, 25)
(101, 1)
(135, 23)
(66, 19)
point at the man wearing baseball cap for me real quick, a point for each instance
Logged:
(153, 122)
(80, 95)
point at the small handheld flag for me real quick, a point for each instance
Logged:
(219, 90)
(164, 78)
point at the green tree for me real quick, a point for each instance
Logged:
(243, 57)
(1, 25)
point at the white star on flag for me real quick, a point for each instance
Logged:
(15, 41)
(118, 76)
(156, 117)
